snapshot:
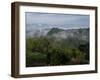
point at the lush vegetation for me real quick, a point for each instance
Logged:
(48, 51)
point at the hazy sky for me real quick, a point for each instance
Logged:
(58, 20)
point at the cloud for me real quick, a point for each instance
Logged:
(68, 20)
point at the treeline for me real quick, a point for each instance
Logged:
(43, 51)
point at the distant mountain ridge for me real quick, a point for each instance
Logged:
(61, 33)
(54, 30)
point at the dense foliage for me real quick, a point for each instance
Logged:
(48, 51)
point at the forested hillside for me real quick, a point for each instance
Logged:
(57, 47)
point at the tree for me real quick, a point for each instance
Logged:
(85, 48)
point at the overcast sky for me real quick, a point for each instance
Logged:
(62, 20)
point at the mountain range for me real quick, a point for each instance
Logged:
(82, 33)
